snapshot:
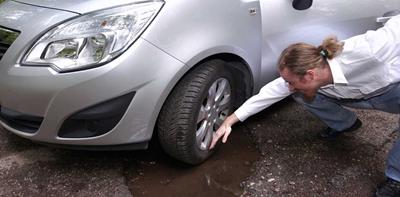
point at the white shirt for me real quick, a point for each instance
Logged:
(368, 63)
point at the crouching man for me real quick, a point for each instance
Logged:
(360, 72)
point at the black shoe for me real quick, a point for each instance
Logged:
(389, 188)
(330, 133)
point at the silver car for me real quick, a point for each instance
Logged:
(101, 74)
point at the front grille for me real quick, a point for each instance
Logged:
(7, 37)
(3, 49)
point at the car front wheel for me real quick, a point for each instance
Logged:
(194, 111)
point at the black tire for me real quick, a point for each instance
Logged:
(180, 123)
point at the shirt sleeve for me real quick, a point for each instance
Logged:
(385, 41)
(271, 93)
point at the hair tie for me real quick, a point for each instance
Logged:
(323, 53)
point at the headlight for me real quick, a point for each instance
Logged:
(92, 39)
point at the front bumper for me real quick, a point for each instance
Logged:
(53, 97)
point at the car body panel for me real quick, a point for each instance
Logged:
(40, 91)
(182, 35)
(13, 77)
(216, 31)
(78, 6)
(96, 85)
(19, 16)
(283, 25)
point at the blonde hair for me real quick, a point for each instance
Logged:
(300, 57)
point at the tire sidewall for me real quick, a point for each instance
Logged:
(221, 71)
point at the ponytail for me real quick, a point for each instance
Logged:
(300, 57)
(330, 47)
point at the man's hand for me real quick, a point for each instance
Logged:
(224, 130)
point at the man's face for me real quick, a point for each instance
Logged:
(306, 84)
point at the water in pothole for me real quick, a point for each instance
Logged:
(221, 175)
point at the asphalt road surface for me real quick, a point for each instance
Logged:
(274, 153)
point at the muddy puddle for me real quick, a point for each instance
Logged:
(28, 169)
(221, 175)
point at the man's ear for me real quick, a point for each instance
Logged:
(310, 75)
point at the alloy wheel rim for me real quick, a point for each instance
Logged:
(214, 109)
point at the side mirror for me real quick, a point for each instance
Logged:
(302, 4)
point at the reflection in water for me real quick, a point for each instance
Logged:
(221, 175)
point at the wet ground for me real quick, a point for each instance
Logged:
(28, 169)
(221, 175)
(275, 153)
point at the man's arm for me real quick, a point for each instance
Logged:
(271, 93)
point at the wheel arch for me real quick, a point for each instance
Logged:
(236, 65)
(240, 70)
(174, 123)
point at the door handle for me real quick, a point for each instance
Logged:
(385, 17)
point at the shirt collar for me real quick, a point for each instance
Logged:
(337, 73)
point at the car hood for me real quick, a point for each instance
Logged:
(77, 6)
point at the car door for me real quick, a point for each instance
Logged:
(283, 25)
